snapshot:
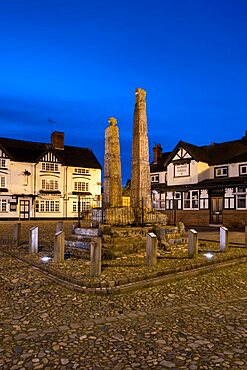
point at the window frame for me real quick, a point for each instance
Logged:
(221, 168)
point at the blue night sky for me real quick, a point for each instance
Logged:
(78, 62)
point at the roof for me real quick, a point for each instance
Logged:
(161, 164)
(29, 151)
(213, 154)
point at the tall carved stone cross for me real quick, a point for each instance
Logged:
(140, 180)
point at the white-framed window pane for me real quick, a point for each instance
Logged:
(3, 182)
(3, 205)
(3, 163)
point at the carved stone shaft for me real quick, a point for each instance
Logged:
(112, 167)
(140, 179)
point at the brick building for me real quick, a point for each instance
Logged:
(39, 180)
(202, 185)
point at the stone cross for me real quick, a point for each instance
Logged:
(223, 239)
(192, 243)
(33, 240)
(151, 249)
(59, 247)
(16, 234)
(95, 257)
(112, 196)
(140, 195)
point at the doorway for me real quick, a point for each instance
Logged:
(24, 209)
(216, 215)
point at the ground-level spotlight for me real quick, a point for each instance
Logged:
(209, 255)
(45, 259)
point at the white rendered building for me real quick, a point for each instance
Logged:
(39, 180)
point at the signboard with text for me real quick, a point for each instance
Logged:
(181, 170)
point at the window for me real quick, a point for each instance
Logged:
(84, 205)
(49, 184)
(2, 182)
(155, 178)
(241, 197)
(80, 186)
(243, 169)
(3, 163)
(47, 206)
(191, 199)
(3, 205)
(221, 172)
(50, 167)
(82, 170)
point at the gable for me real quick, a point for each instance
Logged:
(3, 154)
(49, 157)
(181, 154)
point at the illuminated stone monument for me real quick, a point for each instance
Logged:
(140, 195)
(112, 166)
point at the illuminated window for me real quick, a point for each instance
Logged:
(191, 199)
(241, 197)
(49, 167)
(3, 181)
(49, 184)
(3, 205)
(82, 170)
(47, 206)
(3, 163)
(80, 186)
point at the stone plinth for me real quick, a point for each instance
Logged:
(151, 249)
(59, 247)
(140, 195)
(33, 240)
(16, 234)
(223, 239)
(192, 243)
(95, 257)
(112, 196)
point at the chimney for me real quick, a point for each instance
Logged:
(57, 140)
(157, 152)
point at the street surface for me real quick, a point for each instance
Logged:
(197, 323)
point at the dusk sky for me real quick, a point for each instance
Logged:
(78, 62)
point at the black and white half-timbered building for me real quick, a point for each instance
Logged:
(202, 185)
(53, 180)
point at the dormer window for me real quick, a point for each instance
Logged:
(221, 171)
(49, 167)
(83, 171)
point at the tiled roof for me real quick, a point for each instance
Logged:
(161, 164)
(28, 151)
(213, 154)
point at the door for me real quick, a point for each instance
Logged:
(24, 209)
(216, 210)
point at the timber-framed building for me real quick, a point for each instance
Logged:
(202, 185)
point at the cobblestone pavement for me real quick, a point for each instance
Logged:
(197, 323)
